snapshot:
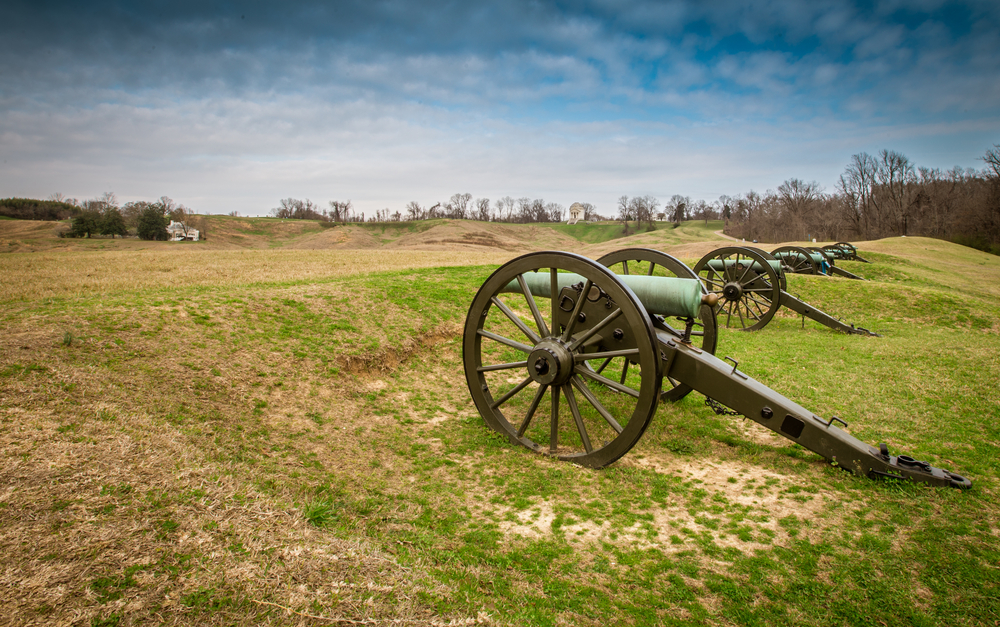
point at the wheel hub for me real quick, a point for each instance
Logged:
(732, 291)
(550, 363)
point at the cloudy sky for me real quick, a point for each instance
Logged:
(231, 106)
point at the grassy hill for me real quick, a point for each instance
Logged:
(263, 434)
(230, 232)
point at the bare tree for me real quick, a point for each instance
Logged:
(524, 210)
(645, 210)
(624, 212)
(459, 206)
(339, 210)
(166, 203)
(677, 207)
(483, 209)
(414, 211)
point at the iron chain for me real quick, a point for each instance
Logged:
(719, 408)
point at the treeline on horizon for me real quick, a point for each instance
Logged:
(877, 196)
(103, 216)
(885, 195)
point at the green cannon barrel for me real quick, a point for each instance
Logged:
(716, 264)
(816, 257)
(666, 296)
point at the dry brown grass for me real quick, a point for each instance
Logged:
(55, 274)
(136, 491)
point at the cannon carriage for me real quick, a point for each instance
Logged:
(751, 285)
(568, 358)
(813, 260)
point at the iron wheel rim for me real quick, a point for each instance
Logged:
(760, 291)
(514, 406)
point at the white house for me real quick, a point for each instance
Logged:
(179, 232)
(576, 213)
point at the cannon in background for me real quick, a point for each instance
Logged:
(751, 287)
(799, 260)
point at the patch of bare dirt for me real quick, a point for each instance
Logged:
(391, 358)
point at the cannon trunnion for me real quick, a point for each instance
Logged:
(575, 366)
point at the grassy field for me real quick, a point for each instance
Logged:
(286, 437)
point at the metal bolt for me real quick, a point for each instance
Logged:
(619, 334)
(766, 413)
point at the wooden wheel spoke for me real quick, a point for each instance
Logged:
(509, 395)
(745, 270)
(542, 328)
(711, 280)
(576, 310)
(614, 385)
(757, 302)
(554, 291)
(595, 329)
(739, 312)
(609, 355)
(507, 366)
(750, 312)
(577, 417)
(524, 348)
(651, 267)
(554, 421)
(587, 394)
(517, 319)
(604, 365)
(531, 410)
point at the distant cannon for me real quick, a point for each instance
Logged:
(844, 250)
(751, 287)
(799, 260)
(545, 327)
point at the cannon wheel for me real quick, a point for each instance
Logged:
(653, 262)
(849, 249)
(830, 257)
(747, 298)
(803, 263)
(520, 365)
(766, 255)
(837, 250)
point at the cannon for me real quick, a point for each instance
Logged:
(833, 268)
(545, 327)
(800, 260)
(751, 286)
(844, 250)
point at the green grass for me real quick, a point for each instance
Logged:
(342, 404)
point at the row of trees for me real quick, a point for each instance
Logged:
(147, 220)
(877, 196)
(32, 209)
(458, 207)
(639, 209)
